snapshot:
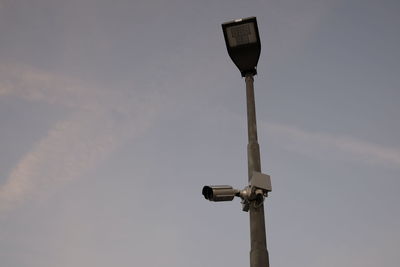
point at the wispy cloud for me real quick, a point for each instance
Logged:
(324, 145)
(100, 121)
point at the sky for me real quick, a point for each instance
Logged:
(114, 114)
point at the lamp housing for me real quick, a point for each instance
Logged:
(243, 43)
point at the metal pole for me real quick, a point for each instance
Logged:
(258, 251)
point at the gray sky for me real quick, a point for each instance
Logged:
(114, 114)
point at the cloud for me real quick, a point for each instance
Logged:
(36, 85)
(324, 145)
(100, 121)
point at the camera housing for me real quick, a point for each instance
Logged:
(219, 192)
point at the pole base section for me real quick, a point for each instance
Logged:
(259, 258)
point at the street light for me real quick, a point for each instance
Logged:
(243, 43)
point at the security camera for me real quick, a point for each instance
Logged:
(219, 192)
(252, 194)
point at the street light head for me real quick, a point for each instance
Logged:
(243, 43)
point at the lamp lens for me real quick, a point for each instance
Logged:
(241, 34)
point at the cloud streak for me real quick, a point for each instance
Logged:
(100, 121)
(323, 145)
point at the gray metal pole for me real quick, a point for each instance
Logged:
(258, 252)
